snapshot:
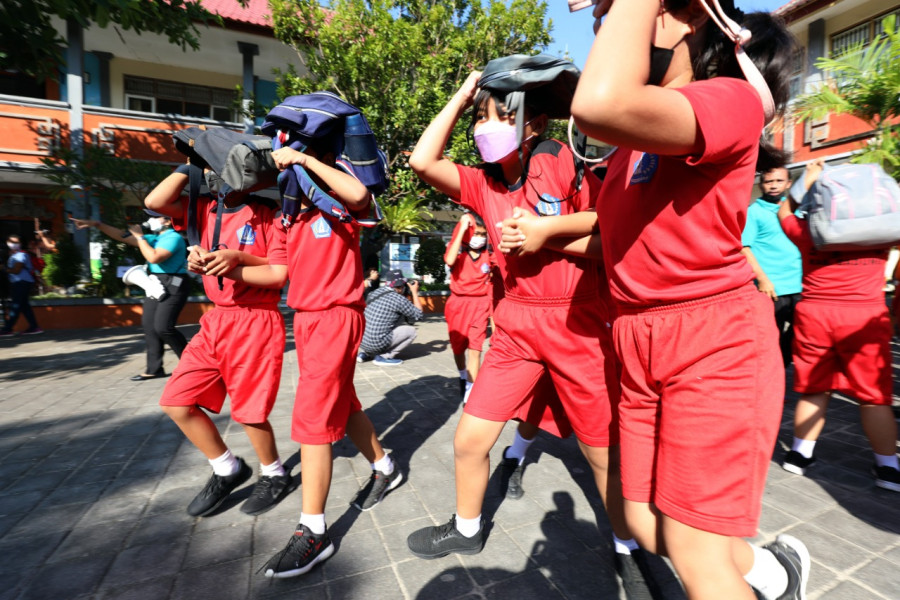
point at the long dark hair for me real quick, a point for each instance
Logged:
(771, 48)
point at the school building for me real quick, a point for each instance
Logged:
(825, 28)
(128, 93)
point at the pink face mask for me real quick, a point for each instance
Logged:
(496, 140)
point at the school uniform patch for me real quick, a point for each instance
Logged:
(321, 228)
(246, 235)
(485, 268)
(644, 168)
(548, 206)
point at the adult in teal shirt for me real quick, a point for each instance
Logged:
(166, 254)
(775, 260)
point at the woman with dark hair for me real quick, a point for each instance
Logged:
(166, 254)
(685, 92)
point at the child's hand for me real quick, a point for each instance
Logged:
(813, 170)
(285, 157)
(195, 260)
(469, 88)
(522, 234)
(600, 9)
(220, 262)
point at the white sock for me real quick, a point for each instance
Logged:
(468, 527)
(316, 523)
(468, 391)
(385, 465)
(767, 576)
(624, 546)
(225, 465)
(804, 447)
(274, 470)
(889, 460)
(464, 374)
(519, 447)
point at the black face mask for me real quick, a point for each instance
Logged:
(773, 198)
(660, 59)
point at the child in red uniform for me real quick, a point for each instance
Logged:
(326, 291)
(842, 342)
(701, 372)
(469, 306)
(238, 350)
(551, 320)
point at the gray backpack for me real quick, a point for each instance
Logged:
(851, 207)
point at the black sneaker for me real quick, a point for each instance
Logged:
(794, 557)
(304, 551)
(511, 476)
(217, 489)
(633, 581)
(887, 478)
(374, 490)
(435, 542)
(268, 491)
(794, 462)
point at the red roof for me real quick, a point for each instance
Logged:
(256, 12)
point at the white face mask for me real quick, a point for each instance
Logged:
(477, 242)
(13, 246)
(155, 224)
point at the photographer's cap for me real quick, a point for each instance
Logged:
(398, 282)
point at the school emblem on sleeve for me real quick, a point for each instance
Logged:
(246, 235)
(548, 206)
(644, 168)
(321, 228)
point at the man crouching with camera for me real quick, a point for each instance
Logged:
(390, 313)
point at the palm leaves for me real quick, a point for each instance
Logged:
(864, 81)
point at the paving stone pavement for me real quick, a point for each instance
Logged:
(94, 481)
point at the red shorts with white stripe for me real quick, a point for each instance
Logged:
(843, 347)
(327, 342)
(567, 342)
(238, 351)
(702, 395)
(467, 321)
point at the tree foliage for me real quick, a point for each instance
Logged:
(401, 60)
(430, 259)
(111, 180)
(864, 81)
(29, 43)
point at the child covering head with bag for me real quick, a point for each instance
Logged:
(553, 318)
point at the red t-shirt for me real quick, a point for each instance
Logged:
(253, 228)
(324, 263)
(469, 276)
(551, 173)
(854, 276)
(671, 226)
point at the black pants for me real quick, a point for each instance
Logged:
(159, 322)
(19, 292)
(784, 318)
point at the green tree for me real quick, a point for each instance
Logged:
(29, 42)
(430, 259)
(111, 180)
(401, 60)
(864, 81)
(64, 266)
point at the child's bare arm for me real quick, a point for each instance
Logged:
(526, 233)
(264, 276)
(452, 251)
(165, 197)
(348, 189)
(427, 158)
(221, 262)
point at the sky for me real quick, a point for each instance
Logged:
(572, 31)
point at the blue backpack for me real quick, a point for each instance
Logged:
(323, 119)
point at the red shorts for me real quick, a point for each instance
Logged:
(702, 395)
(238, 351)
(843, 347)
(571, 344)
(467, 321)
(327, 342)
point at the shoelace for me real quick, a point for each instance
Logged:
(305, 542)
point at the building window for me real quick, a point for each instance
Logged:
(861, 34)
(171, 97)
(798, 72)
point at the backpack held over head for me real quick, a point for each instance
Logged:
(238, 162)
(851, 207)
(328, 123)
(547, 82)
